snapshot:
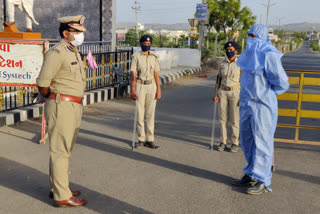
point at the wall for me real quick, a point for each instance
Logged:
(174, 57)
(46, 13)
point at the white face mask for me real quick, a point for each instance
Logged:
(78, 39)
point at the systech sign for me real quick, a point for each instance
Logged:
(20, 61)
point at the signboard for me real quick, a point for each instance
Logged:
(193, 32)
(20, 62)
(202, 12)
(193, 22)
(121, 37)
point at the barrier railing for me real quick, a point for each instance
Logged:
(301, 79)
(13, 97)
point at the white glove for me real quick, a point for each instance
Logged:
(39, 99)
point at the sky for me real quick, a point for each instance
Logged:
(178, 11)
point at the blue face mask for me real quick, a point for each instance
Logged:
(145, 48)
(230, 54)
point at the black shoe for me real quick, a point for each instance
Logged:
(245, 181)
(257, 189)
(221, 147)
(151, 145)
(234, 148)
(139, 144)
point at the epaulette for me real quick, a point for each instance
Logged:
(58, 48)
(154, 54)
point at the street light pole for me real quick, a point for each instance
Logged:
(268, 8)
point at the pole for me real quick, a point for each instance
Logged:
(134, 128)
(136, 8)
(201, 33)
(215, 45)
(268, 9)
(213, 125)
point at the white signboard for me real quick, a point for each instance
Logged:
(20, 61)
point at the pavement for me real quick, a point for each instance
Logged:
(183, 176)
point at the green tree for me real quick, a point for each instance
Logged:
(226, 14)
(131, 37)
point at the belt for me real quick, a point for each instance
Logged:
(226, 88)
(67, 98)
(144, 82)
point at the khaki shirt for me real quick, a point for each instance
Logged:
(229, 72)
(63, 70)
(145, 66)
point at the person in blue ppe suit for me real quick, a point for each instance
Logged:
(262, 78)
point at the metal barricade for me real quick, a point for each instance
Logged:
(300, 80)
(13, 97)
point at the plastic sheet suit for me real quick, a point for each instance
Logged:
(262, 78)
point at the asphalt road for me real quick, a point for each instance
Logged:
(303, 59)
(183, 176)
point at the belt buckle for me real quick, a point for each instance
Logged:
(147, 82)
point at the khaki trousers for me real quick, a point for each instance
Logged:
(63, 119)
(146, 105)
(229, 107)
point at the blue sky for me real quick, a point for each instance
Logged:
(178, 11)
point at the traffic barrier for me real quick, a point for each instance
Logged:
(299, 78)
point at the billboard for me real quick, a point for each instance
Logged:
(20, 61)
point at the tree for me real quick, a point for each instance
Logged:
(226, 14)
(131, 36)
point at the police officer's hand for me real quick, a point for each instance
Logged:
(216, 99)
(134, 95)
(158, 95)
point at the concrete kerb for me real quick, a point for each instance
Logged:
(91, 97)
(34, 111)
(167, 78)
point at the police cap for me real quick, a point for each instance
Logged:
(231, 44)
(75, 22)
(146, 38)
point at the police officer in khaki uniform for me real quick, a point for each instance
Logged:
(145, 89)
(62, 81)
(228, 87)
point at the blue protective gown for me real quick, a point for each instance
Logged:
(262, 78)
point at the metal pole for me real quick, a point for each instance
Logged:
(134, 128)
(213, 125)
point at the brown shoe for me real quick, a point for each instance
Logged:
(71, 202)
(75, 193)
(29, 30)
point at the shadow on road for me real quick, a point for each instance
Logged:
(35, 184)
(299, 176)
(182, 168)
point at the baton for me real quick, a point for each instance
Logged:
(44, 135)
(134, 128)
(213, 125)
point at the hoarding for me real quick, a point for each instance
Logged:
(20, 61)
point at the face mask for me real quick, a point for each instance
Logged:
(251, 42)
(145, 48)
(230, 54)
(78, 39)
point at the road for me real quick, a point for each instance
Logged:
(183, 176)
(302, 59)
